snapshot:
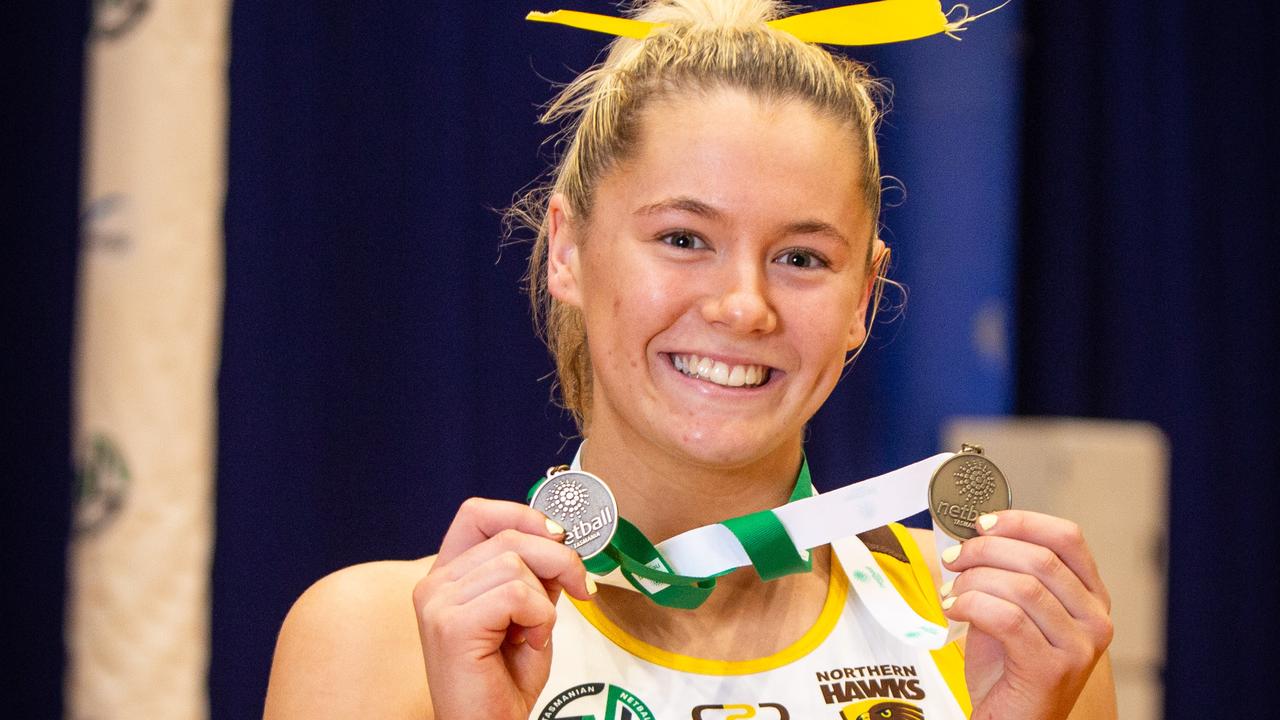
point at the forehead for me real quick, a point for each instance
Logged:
(753, 158)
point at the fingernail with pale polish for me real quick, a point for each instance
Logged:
(945, 590)
(554, 528)
(988, 521)
(947, 603)
(950, 554)
(591, 586)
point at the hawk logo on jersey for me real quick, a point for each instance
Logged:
(764, 711)
(882, 710)
(584, 702)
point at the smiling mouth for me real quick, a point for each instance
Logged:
(721, 373)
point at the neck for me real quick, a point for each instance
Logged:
(664, 493)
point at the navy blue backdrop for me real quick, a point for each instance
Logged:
(1149, 291)
(41, 66)
(378, 365)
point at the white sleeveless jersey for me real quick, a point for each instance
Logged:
(845, 666)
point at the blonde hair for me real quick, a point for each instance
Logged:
(702, 45)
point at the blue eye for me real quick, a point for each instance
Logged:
(803, 259)
(684, 241)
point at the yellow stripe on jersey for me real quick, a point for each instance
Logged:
(915, 584)
(837, 593)
(911, 579)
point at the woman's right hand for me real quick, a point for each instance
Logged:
(486, 609)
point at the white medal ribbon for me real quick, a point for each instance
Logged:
(833, 518)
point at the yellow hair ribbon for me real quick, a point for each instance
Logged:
(622, 27)
(870, 23)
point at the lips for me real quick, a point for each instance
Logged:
(720, 372)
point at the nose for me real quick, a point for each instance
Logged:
(740, 302)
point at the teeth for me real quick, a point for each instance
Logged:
(704, 367)
(738, 376)
(720, 373)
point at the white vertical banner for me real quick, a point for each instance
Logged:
(147, 348)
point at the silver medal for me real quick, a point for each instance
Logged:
(964, 487)
(584, 507)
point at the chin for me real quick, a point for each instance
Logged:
(724, 446)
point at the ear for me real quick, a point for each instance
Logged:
(563, 259)
(879, 263)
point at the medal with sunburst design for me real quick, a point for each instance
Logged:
(964, 487)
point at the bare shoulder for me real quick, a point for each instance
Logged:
(349, 647)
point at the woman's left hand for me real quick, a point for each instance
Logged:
(1039, 615)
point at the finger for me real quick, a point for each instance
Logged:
(498, 570)
(999, 618)
(516, 633)
(1062, 536)
(533, 611)
(1058, 627)
(479, 519)
(548, 560)
(1029, 559)
(510, 604)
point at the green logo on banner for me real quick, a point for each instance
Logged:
(102, 481)
(115, 18)
(584, 702)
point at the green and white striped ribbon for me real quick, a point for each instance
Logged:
(768, 547)
(681, 571)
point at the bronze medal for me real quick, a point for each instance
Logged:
(965, 487)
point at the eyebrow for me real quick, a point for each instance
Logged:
(694, 206)
(817, 227)
(681, 204)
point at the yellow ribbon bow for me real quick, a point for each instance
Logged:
(870, 23)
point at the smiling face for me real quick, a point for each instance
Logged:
(722, 275)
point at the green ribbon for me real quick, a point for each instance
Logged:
(765, 540)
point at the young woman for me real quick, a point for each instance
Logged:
(705, 261)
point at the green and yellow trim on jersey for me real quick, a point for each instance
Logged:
(837, 594)
(898, 556)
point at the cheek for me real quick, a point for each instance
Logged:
(630, 311)
(826, 331)
(617, 310)
(640, 298)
